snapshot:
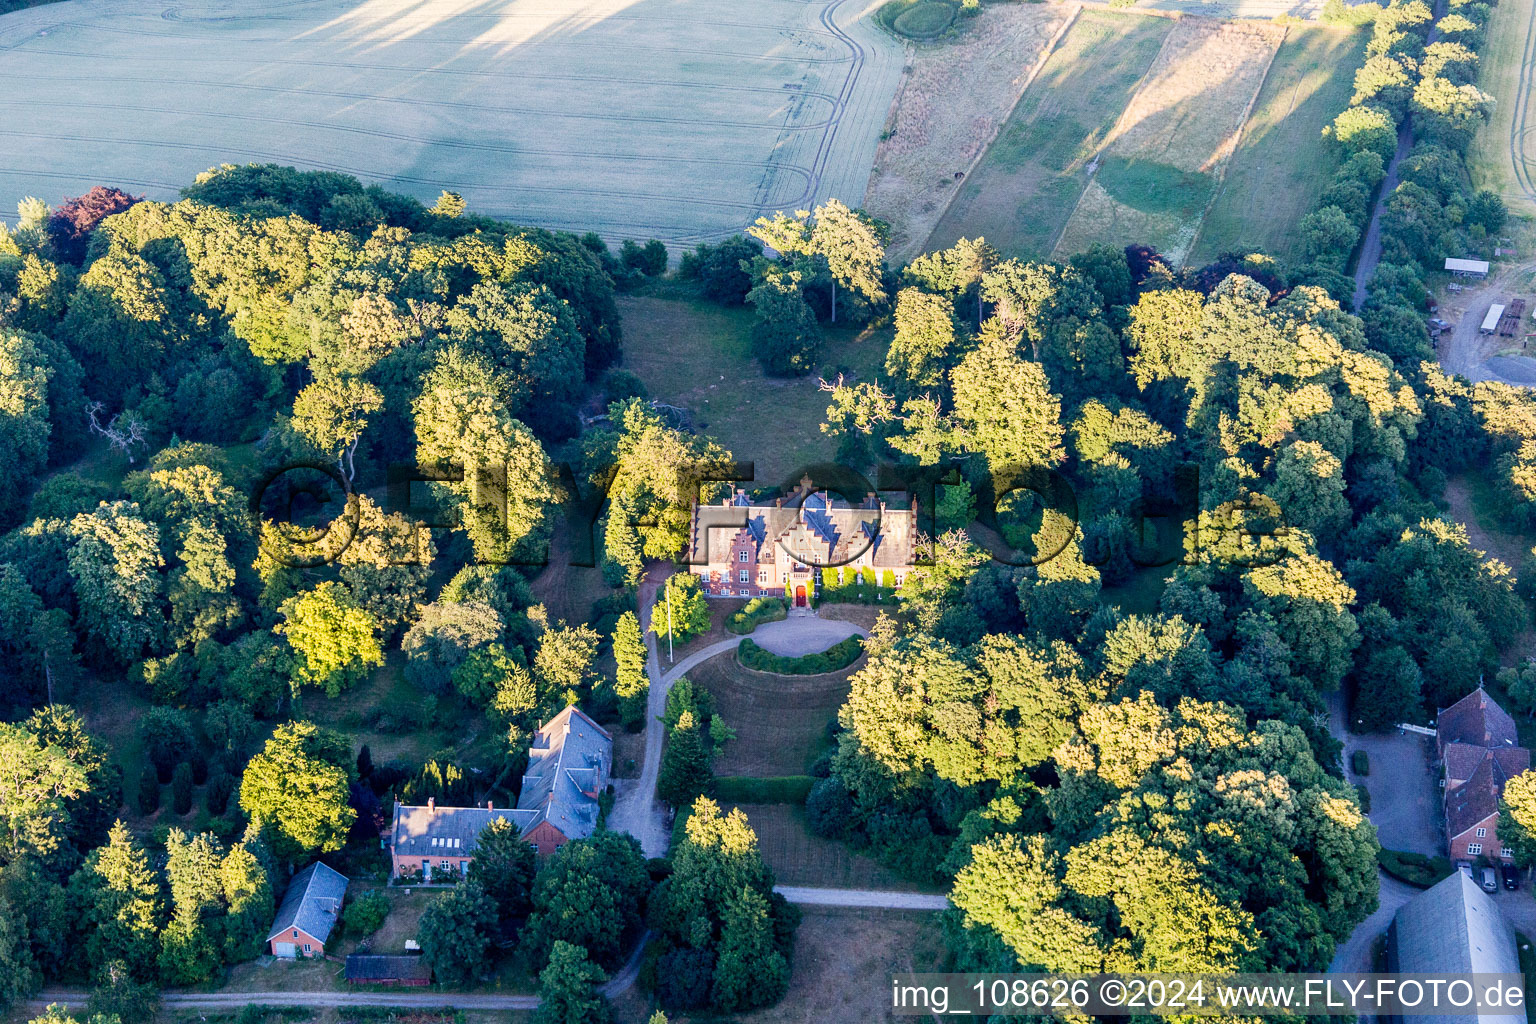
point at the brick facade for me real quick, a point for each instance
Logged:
(1471, 846)
(791, 547)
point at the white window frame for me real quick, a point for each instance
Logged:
(741, 556)
(1473, 849)
(307, 949)
(1482, 832)
(741, 576)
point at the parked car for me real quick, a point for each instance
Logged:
(1511, 876)
(1490, 880)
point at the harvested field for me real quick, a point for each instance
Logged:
(1283, 156)
(1024, 189)
(674, 119)
(1165, 157)
(955, 97)
(1259, 10)
(780, 721)
(799, 857)
(1503, 153)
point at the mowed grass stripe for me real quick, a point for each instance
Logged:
(1178, 131)
(1025, 187)
(1283, 162)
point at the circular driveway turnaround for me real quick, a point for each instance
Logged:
(635, 808)
(671, 119)
(800, 635)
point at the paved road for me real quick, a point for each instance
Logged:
(862, 898)
(636, 809)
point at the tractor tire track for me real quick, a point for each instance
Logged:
(1518, 130)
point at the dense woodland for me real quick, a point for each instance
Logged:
(1099, 782)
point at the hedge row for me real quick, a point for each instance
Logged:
(856, 594)
(1414, 868)
(756, 612)
(781, 789)
(838, 656)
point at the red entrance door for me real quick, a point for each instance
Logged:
(800, 597)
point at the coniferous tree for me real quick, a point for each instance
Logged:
(685, 773)
(631, 682)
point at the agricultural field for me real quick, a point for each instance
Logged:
(1164, 159)
(1502, 155)
(698, 356)
(1024, 189)
(955, 97)
(1282, 155)
(653, 118)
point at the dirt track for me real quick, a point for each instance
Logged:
(675, 119)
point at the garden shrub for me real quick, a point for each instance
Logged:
(838, 656)
(756, 612)
(365, 914)
(1413, 868)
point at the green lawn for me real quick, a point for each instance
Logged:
(1527, 968)
(698, 355)
(1024, 189)
(1283, 162)
(799, 857)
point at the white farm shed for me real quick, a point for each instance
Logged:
(1467, 268)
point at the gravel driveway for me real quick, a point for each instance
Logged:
(1405, 798)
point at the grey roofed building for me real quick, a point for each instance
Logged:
(1453, 928)
(311, 903)
(568, 767)
(428, 830)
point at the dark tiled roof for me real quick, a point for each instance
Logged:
(570, 758)
(1462, 759)
(366, 968)
(1474, 800)
(1454, 927)
(1478, 720)
(311, 902)
(1512, 760)
(836, 534)
(421, 831)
